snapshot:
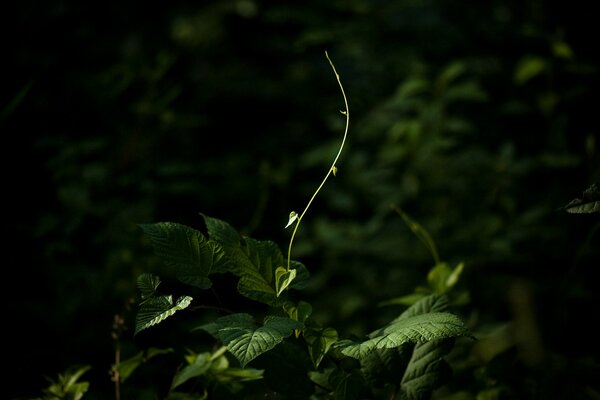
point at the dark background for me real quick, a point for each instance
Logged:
(479, 119)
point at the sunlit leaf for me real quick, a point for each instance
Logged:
(588, 203)
(415, 329)
(283, 279)
(293, 217)
(157, 309)
(245, 340)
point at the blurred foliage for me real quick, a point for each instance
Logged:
(476, 119)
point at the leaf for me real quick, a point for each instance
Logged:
(252, 260)
(256, 261)
(199, 367)
(588, 203)
(429, 304)
(187, 252)
(293, 217)
(127, 367)
(528, 68)
(157, 309)
(319, 342)
(417, 329)
(438, 276)
(383, 366)
(302, 275)
(298, 312)
(426, 370)
(346, 385)
(67, 385)
(245, 340)
(147, 285)
(283, 279)
(421, 233)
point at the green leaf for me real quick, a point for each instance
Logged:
(67, 385)
(283, 279)
(187, 252)
(346, 385)
(438, 276)
(127, 367)
(292, 218)
(427, 304)
(384, 366)
(319, 342)
(406, 300)
(528, 68)
(426, 370)
(147, 285)
(421, 233)
(157, 309)
(245, 340)
(416, 329)
(252, 260)
(298, 312)
(302, 275)
(199, 367)
(588, 203)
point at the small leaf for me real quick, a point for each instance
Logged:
(334, 170)
(438, 276)
(157, 309)
(147, 285)
(455, 275)
(299, 312)
(283, 279)
(528, 68)
(319, 342)
(421, 233)
(588, 203)
(199, 367)
(293, 217)
(128, 366)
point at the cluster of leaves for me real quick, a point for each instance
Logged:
(405, 356)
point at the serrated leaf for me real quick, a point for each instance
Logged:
(319, 342)
(588, 203)
(383, 366)
(426, 369)
(187, 252)
(416, 329)
(428, 304)
(147, 285)
(157, 309)
(245, 340)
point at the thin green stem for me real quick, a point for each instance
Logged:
(332, 168)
